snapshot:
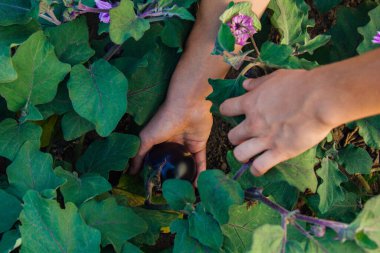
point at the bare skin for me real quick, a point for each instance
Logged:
(185, 115)
(290, 111)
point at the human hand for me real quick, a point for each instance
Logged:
(284, 118)
(187, 125)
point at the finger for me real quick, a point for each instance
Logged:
(232, 107)
(139, 158)
(201, 163)
(249, 149)
(252, 83)
(266, 161)
(240, 133)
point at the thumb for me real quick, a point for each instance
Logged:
(201, 163)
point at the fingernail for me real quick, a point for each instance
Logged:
(255, 172)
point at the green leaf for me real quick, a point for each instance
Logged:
(369, 129)
(174, 33)
(11, 207)
(267, 238)
(60, 104)
(180, 12)
(311, 45)
(155, 220)
(148, 84)
(112, 153)
(80, 189)
(17, 11)
(281, 56)
(10, 241)
(223, 90)
(130, 248)
(11, 36)
(291, 18)
(98, 94)
(125, 23)
(240, 8)
(368, 221)
(245, 220)
(178, 193)
(117, 224)
(355, 160)
(330, 190)
(369, 31)
(32, 170)
(298, 171)
(326, 5)
(48, 228)
(74, 126)
(204, 228)
(183, 242)
(70, 41)
(30, 113)
(225, 40)
(218, 193)
(14, 135)
(39, 73)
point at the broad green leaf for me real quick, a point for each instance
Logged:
(130, 248)
(174, 33)
(330, 190)
(204, 228)
(178, 193)
(125, 23)
(30, 113)
(240, 8)
(71, 41)
(48, 131)
(60, 104)
(14, 135)
(32, 170)
(369, 31)
(291, 18)
(98, 94)
(117, 224)
(17, 11)
(183, 242)
(223, 90)
(74, 126)
(112, 153)
(298, 171)
(46, 228)
(369, 129)
(311, 45)
(225, 41)
(326, 5)
(39, 73)
(294, 247)
(80, 189)
(11, 208)
(180, 12)
(218, 193)
(267, 238)
(245, 220)
(11, 36)
(355, 160)
(344, 211)
(148, 85)
(368, 221)
(10, 241)
(280, 56)
(155, 220)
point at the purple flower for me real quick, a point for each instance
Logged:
(104, 17)
(376, 39)
(242, 28)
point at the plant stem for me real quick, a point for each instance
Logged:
(48, 19)
(306, 234)
(255, 46)
(86, 8)
(113, 50)
(364, 183)
(53, 17)
(256, 194)
(242, 170)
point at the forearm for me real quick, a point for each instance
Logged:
(353, 88)
(190, 79)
